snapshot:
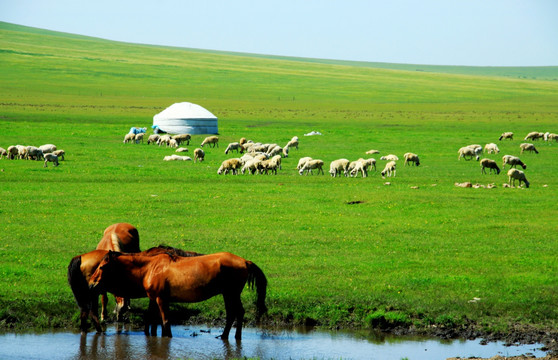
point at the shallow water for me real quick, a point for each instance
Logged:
(200, 343)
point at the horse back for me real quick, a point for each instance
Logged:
(122, 237)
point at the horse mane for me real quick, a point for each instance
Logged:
(173, 252)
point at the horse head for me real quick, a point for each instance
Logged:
(98, 278)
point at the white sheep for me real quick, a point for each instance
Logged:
(312, 165)
(390, 157)
(13, 152)
(60, 153)
(232, 165)
(22, 151)
(513, 161)
(251, 165)
(234, 146)
(534, 135)
(490, 164)
(181, 149)
(359, 166)
(514, 174)
(370, 152)
(34, 153)
(339, 166)
(139, 137)
(52, 158)
(389, 169)
(467, 153)
(47, 148)
(411, 158)
(129, 137)
(491, 148)
(180, 138)
(173, 143)
(506, 135)
(303, 161)
(199, 155)
(292, 143)
(277, 160)
(164, 139)
(527, 147)
(211, 140)
(276, 150)
(3, 153)
(154, 138)
(552, 137)
(175, 157)
(285, 152)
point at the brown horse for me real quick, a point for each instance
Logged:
(165, 278)
(83, 266)
(122, 237)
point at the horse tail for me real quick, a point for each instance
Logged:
(78, 284)
(257, 277)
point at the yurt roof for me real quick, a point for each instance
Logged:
(184, 110)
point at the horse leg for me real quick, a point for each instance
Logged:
(104, 302)
(164, 309)
(150, 318)
(234, 310)
(94, 313)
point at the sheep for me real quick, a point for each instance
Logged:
(491, 148)
(369, 163)
(490, 164)
(232, 165)
(370, 152)
(390, 157)
(513, 161)
(286, 152)
(467, 153)
(302, 161)
(3, 153)
(139, 137)
(129, 137)
(552, 136)
(338, 166)
(242, 141)
(251, 165)
(466, 184)
(175, 157)
(527, 147)
(276, 150)
(180, 138)
(13, 152)
(199, 155)
(292, 143)
(22, 151)
(52, 158)
(154, 138)
(514, 174)
(506, 135)
(267, 165)
(534, 135)
(389, 169)
(311, 165)
(359, 165)
(182, 149)
(411, 158)
(211, 140)
(35, 153)
(60, 153)
(172, 143)
(234, 146)
(277, 160)
(48, 148)
(164, 139)
(546, 134)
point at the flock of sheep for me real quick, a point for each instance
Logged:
(474, 151)
(47, 152)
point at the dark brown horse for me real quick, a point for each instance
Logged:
(83, 266)
(122, 237)
(165, 278)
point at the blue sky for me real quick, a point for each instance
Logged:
(439, 32)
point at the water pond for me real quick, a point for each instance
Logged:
(197, 342)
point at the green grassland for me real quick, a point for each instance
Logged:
(337, 251)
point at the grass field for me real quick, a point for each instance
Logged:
(337, 252)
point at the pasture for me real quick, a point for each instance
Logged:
(336, 251)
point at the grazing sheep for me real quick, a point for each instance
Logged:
(552, 137)
(3, 153)
(234, 146)
(514, 174)
(175, 157)
(338, 166)
(513, 161)
(164, 139)
(277, 160)
(467, 153)
(527, 147)
(370, 152)
(359, 166)
(180, 138)
(491, 148)
(466, 184)
(267, 165)
(13, 152)
(52, 158)
(390, 157)
(276, 150)
(292, 143)
(242, 141)
(490, 164)
(286, 152)
(173, 143)
(251, 165)
(389, 169)
(154, 138)
(22, 151)
(312, 165)
(60, 153)
(534, 135)
(182, 149)
(211, 140)
(139, 137)
(48, 148)
(129, 137)
(232, 165)
(411, 158)
(34, 153)
(303, 161)
(199, 155)
(506, 135)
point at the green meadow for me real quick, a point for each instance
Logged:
(338, 252)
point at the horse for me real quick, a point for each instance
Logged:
(122, 237)
(165, 278)
(81, 268)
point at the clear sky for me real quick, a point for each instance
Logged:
(438, 32)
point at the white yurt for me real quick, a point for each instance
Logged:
(186, 118)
